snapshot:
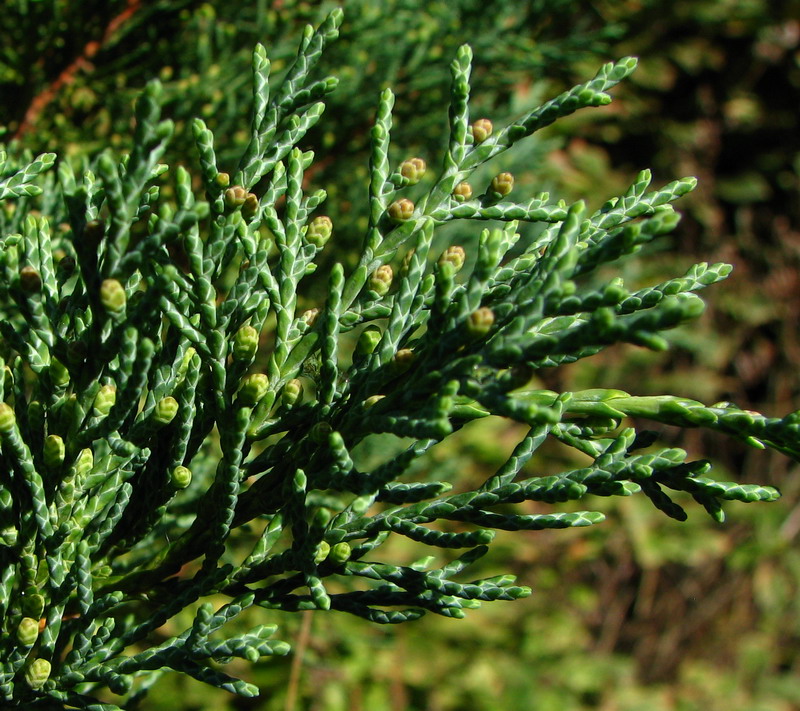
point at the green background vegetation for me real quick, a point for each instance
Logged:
(640, 612)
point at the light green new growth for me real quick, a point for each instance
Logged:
(163, 395)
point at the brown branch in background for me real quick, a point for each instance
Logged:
(67, 76)
(303, 638)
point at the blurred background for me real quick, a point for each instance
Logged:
(641, 611)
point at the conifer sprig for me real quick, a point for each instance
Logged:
(165, 400)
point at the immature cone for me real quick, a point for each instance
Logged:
(502, 184)
(112, 296)
(30, 280)
(402, 360)
(28, 631)
(37, 673)
(462, 192)
(104, 400)
(291, 392)
(223, 180)
(454, 255)
(53, 451)
(245, 343)
(368, 341)
(309, 316)
(480, 322)
(319, 231)
(235, 196)
(320, 432)
(481, 130)
(340, 553)
(381, 280)
(401, 210)
(250, 206)
(253, 388)
(180, 477)
(413, 169)
(33, 606)
(165, 410)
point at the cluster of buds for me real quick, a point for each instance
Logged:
(401, 210)
(480, 322)
(238, 197)
(319, 231)
(180, 477)
(453, 255)
(381, 280)
(462, 192)
(112, 296)
(412, 169)
(252, 389)
(165, 410)
(245, 343)
(502, 184)
(481, 130)
(291, 392)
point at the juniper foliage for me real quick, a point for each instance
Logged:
(164, 400)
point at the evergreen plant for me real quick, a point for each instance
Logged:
(166, 402)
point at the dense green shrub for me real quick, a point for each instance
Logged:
(166, 403)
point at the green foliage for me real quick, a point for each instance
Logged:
(165, 402)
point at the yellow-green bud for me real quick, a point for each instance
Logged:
(412, 170)
(340, 553)
(320, 432)
(165, 410)
(402, 360)
(180, 477)
(462, 192)
(59, 375)
(291, 392)
(104, 400)
(253, 388)
(30, 281)
(94, 231)
(368, 340)
(7, 418)
(323, 548)
(481, 130)
(372, 399)
(250, 206)
(112, 296)
(28, 631)
(84, 463)
(53, 451)
(319, 231)
(502, 184)
(480, 322)
(309, 316)
(401, 210)
(454, 255)
(381, 280)
(235, 196)
(37, 673)
(223, 180)
(33, 606)
(245, 343)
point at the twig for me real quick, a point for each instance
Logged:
(67, 76)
